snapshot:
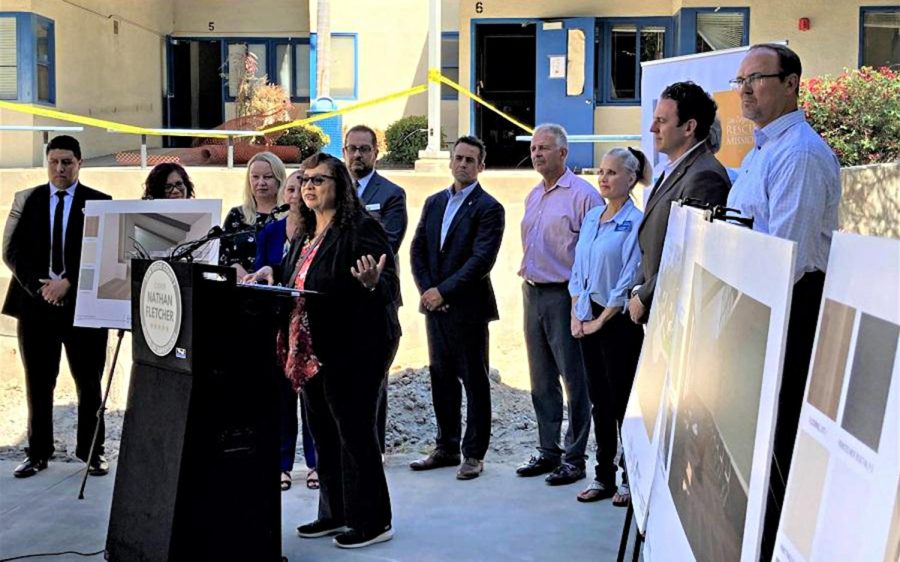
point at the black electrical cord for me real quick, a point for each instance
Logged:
(44, 554)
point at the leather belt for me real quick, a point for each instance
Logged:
(547, 285)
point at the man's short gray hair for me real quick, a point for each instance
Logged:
(558, 132)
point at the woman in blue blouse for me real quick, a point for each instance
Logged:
(272, 243)
(607, 258)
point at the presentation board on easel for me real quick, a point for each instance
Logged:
(707, 462)
(114, 231)
(843, 493)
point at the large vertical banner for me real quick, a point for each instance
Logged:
(843, 494)
(711, 71)
(115, 231)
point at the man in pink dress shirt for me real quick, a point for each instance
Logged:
(554, 211)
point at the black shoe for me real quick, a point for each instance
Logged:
(565, 474)
(320, 528)
(536, 466)
(359, 539)
(435, 459)
(30, 467)
(98, 466)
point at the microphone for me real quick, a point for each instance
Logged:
(186, 249)
(281, 209)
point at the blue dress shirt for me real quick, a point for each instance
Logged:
(790, 183)
(453, 204)
(607, 258)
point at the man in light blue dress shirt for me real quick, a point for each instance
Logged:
(790, 184)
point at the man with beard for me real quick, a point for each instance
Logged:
(386, 201)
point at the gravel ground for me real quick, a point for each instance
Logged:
(410, 428)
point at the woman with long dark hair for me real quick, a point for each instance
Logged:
(334, 348)
(168, 181)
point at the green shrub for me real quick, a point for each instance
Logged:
(405, 137)
(857, 113)
(308, 138)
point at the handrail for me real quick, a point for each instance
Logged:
(45, 131)
(211, 133)
(591, 138)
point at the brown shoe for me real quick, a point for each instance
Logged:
(435, 459)
(471, 468)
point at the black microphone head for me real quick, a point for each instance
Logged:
(282, 208)
(214, 232)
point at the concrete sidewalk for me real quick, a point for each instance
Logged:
(498, 516)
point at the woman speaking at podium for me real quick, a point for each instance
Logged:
(334, 348)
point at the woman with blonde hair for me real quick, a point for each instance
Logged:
(607, 258)
(262, 196)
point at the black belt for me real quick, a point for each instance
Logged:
(562, 285)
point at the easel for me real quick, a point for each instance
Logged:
(623, 542)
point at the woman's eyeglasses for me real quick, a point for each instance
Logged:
(317, 181)
(177, 186)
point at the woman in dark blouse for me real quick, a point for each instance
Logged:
(335, 348)
(265, 175)
(168, 181)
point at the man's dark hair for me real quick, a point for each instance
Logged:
(65, 142)
(362, 129)
(788, 60)
(473, 141)
(692, 102)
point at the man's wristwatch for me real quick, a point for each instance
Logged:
(635, 290)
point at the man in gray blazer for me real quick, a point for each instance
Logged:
(681, 124)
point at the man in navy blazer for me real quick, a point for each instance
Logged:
(386, 201)
(44, 254)
(453, 251)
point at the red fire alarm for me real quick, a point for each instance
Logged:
(803, 24)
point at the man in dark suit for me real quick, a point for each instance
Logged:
(386, 201)
(43, 254)
(681, 124)
(453, 251)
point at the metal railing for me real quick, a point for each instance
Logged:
(208, 133)
(45, 130)
(591, 138)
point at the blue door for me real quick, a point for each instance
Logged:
(565, 81)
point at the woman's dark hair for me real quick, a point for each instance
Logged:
(349, 208)
(155, 185)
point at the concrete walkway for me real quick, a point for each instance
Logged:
(496, 517)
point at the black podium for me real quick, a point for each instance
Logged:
(198, 469)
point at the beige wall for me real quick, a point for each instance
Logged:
(831, 44)
(262, 18)
(125, 87)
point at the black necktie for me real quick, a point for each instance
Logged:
(56, 254)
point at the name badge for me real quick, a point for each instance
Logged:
(373, 207)
(625, 226)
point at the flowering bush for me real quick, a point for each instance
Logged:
(308, 138)
(857, 113)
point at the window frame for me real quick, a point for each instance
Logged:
(26, 57)
(313, 66)
(862, 20)
(604, 57)
(686, 23)
(271, 43)
(446, 35)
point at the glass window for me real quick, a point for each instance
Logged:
(880, 38)
(449, 63)
(9, 84)
(243, 59)
(630, 45)
(301, 58)
(719, 30)
(283, 66)
(343, 66)
(43, 55)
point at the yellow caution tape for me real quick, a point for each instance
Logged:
(415, 90)
(435, 75)
(91, 121)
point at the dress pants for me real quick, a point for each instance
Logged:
(341, 404)
(611, 357)
(805, 303)
(393, 345)
(290, 426)
(458, 352)
(552, 351)
(42, 333)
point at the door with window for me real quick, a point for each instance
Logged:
(565, 81)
